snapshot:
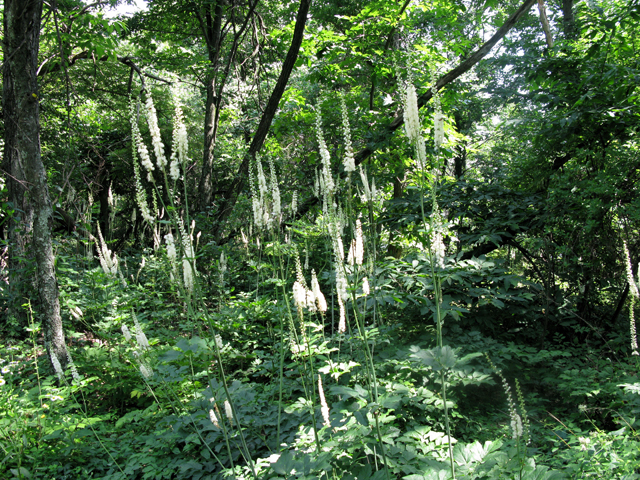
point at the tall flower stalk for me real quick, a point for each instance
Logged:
(432, 226)
(194, 304)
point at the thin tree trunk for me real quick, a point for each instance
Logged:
(211, 26)
(22, 145)
(545, 23)
(205, 187)
(568, 20)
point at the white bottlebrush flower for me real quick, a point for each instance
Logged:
(228, 410)
(341, 283)
(315, 286)
(276, 208)
(633, 286)
(154, 130)
(56, 365)
(438, 249)
(299, 275)
(342, 324)
(324, 408)
(299, 295)
(359, 244)
(438, 129)
(365, 286)
(146, 371)
(139, 147)
(368, 194)
(294, 203)
(411, 115)
(76, 312)
(141, 196)
(351, 253)
(108, 262)
(180, 144)
(327, 177)
(632, 327)
(172, 254)
(174, 170)
(141, 340)
(213, 418)
(349, 161)
(188, 264)
(262, 181)
(339, 247)
(516, 426)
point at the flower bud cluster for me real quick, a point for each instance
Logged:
(370, 192)
(139, 144)
(324, 408)
(312, 298)
(327, 186)
(188, 257)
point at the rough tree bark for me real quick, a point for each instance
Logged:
(23, 163)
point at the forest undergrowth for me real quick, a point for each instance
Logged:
(302, 350)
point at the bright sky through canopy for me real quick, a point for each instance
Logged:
(124, 9)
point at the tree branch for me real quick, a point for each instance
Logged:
(56, 67)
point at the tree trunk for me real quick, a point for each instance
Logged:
(21, 220)
(211, 30)
(22, 155)
(205, 187)
(568, 21)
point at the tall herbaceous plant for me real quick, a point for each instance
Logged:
(166, 215)
(441, 358)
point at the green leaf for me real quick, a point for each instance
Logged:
(438, 358)
(285, 464)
